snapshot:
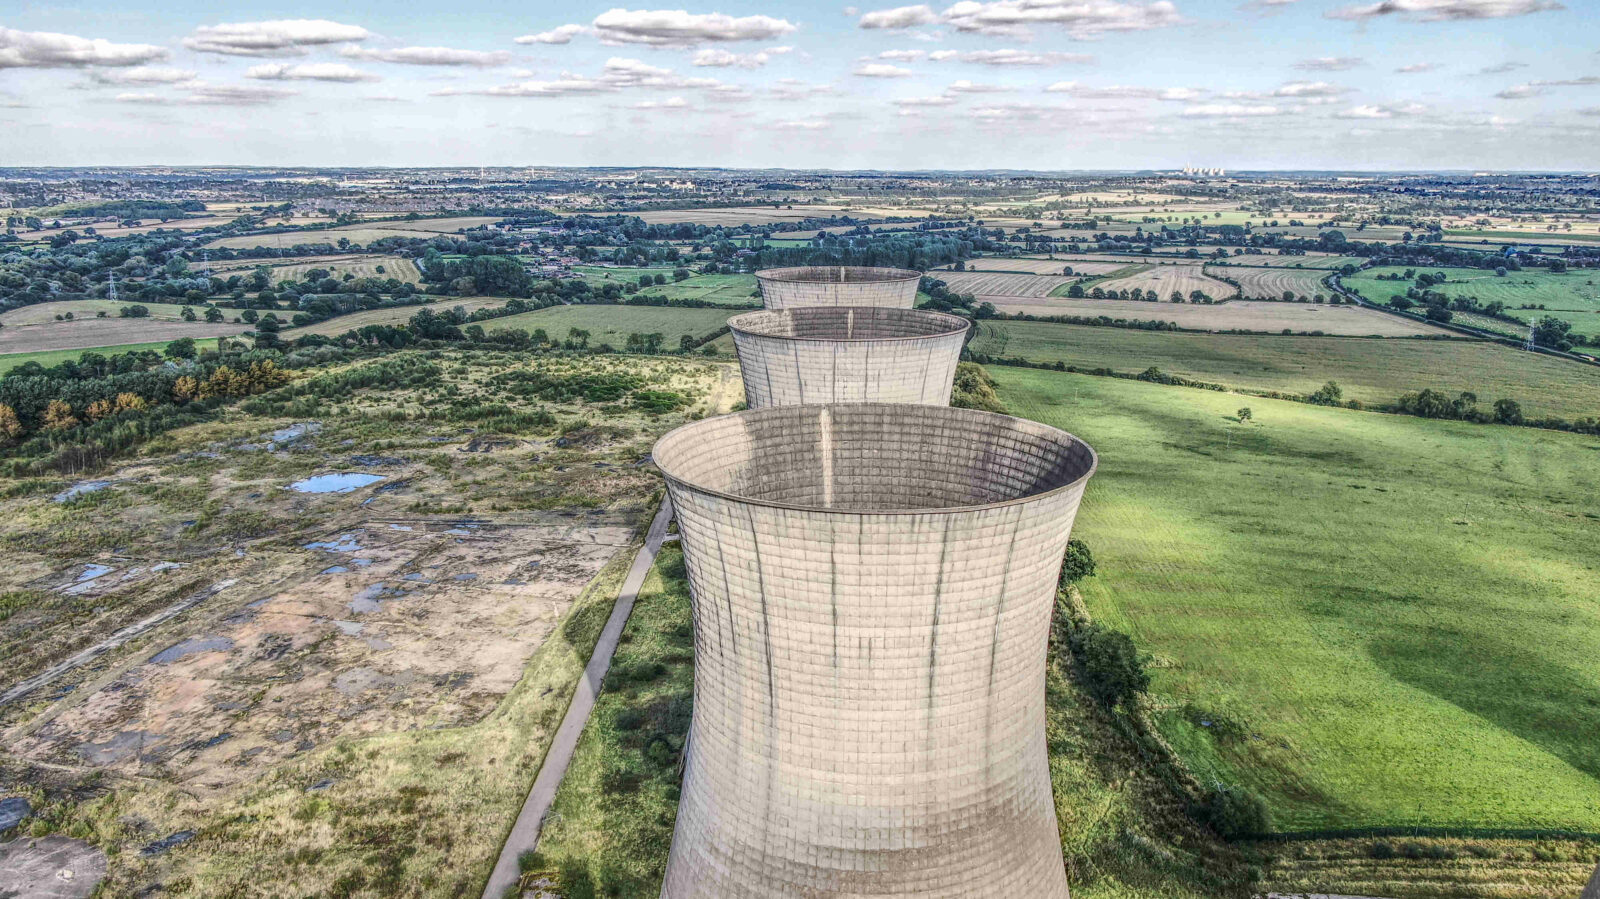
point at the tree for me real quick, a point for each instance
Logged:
(578, 338)
(1077, 562)
(182, 348)
(1329, 394)
(1508, 412)
(10, 425)
(187, 314)
(1553, 333)
(213, 314)
(58, 416)
(1109, 665)
(1244, 414)
(267, 332)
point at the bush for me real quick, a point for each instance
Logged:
(1235, 812)
(1109, 665)
(1077, 563)
(974, 389)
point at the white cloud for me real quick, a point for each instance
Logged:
(806, 125)
(617, 74)
(942, 55)
(1417, 68)
(925, 101)
(794, 89)
(200, 93)
(903, 55)
(881, 70)
(900, 17)
(1536, 88)
(1079, 18)
(48, 50)
(1229, 111)
(562, 34)
(1520, 92)
(1446, 10)
(1123, 92)
(1371, 111)
(320, 71)
(429, 56)
(1011, 57)
(1306, 89)
(1330, 64)
(970, 87)
(679, 28)
(716, 57)
(284, 37)
(144, 75)
(1502, 68)
(669, 103)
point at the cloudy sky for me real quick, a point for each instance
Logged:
(1032, 84)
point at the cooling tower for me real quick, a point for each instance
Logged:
(847, 354)
(838, 285)
(872, 590)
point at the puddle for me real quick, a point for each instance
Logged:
(399, 527)
(344, 543)
(369, 598)
(349, 628)
(342, 482)
(92, 571)
(335, 569)
(123, 745)
(189, 647)
(81, 489)
(466, 577)
(165, 844)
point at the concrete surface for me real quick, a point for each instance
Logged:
(838, 285)
(847, 354)
(52, 867)
(873, 585)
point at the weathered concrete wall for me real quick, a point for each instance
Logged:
(872, 589)
(838, 285)
(847, 354)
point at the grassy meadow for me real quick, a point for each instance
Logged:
(1371, 370)
(48, 358)
(1372, 620)
(613, 324)
(1572, 295)
(725, 290)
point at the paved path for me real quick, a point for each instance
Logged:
(525, 833)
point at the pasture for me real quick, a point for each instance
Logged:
(755, 215)
(1235, 315)
(359, 233)
(1017, 284)
(1371, 620)
(1272, 283)
(363, 266)
(613, 324)
(49, 358)
(724, 290)
(1166, 280)
(1370, 370)
(1313, 260)
(88, 332)
(45, 313)
(1035, 266)
(1572, 291)
(393, 315)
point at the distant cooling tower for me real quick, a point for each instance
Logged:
(872, 588)
(838, 285)
(847, 354)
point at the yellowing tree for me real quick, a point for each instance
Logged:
(131, 402)
(185, 388)
(58, 416)
(10, 425)
(100, 409)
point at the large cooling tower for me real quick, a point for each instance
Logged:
(838, 285)
(847, 354)
(872, 590)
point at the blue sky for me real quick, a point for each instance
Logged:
(1033, 84)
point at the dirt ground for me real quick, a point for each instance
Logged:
(88, 333)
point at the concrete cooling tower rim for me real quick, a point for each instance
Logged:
(760, 323)
(687, 441)
(829, 274)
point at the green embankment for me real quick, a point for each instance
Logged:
(1372, 620)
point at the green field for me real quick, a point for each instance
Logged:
(49, 358)
(1572, 295)
(1383, 620)
(613, 324)
(1372, 370)
(725, 290)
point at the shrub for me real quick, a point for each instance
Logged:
(1077, 562)
(974, 389)
(1233, 812)
(1109, 665)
